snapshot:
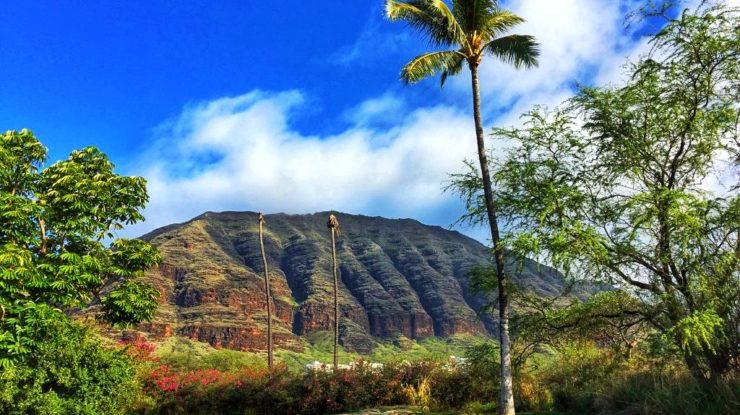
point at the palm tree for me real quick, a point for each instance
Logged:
(468, 32)
(333, 225)
(268, 296)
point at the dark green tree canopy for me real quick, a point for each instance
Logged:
(613, 187)
(54, 223)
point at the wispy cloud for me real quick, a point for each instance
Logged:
(240, 153)
(374, 40)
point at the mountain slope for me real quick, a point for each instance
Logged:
(397, 277)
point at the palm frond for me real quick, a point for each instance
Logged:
(453, 26)
(454, 68)
(472, 14)
(500, 22)
(427, 17)
(518, 50)
(430, 64)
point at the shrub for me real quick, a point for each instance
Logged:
(71, 372)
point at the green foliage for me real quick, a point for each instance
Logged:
(612, 188)
(578, 377)
(71, 372)
(613, 318)
(129, 303)
(702, 329)
(588, 379)
(53, 222)
(472, 29)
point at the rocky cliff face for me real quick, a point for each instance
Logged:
(397, 277)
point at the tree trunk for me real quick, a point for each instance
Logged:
(268, 296)
(336, 299)
(696, 370)
(506, 399)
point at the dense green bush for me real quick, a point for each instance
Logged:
(71, 372)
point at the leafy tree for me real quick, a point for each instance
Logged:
(613, 187)
(469, 31)
(70, 372)
(53, 225)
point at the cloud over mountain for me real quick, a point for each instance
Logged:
(389, 155)
(241, 153)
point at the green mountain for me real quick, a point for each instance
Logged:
(398, 276)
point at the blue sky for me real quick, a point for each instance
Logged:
(289, 106)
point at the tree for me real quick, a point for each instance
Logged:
(333, 225)
(472, 29)
(53, 224)
(268, 296)
(613, 187)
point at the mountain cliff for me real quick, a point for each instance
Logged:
(398, 276)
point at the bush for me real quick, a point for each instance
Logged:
(653, 392)
(575, 378)
(259, 391)
(581, 377)
(71, 372)
(577, 374)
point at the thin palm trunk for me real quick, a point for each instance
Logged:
(333, 225)
(268, 296)
(506, 399)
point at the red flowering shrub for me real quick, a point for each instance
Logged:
(259, 391)
(139, 349)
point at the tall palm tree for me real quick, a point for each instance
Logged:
(333, 225)
(469, 31)
(268, 296)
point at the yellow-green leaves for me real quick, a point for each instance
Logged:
(701, 330)
(53, 224)
(129, 303)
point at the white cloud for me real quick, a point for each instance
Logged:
(581, 41)
(384, 109)
(240, 153)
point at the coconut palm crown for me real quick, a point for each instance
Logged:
(471, 30)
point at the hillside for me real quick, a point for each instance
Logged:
(397, 277)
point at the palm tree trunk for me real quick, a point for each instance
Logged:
(268, 296)
(336, 299)
(333, 225)
(506, 399)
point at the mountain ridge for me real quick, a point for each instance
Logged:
(398, 277)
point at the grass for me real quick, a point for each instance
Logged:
(319, 346)
(186, 353)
